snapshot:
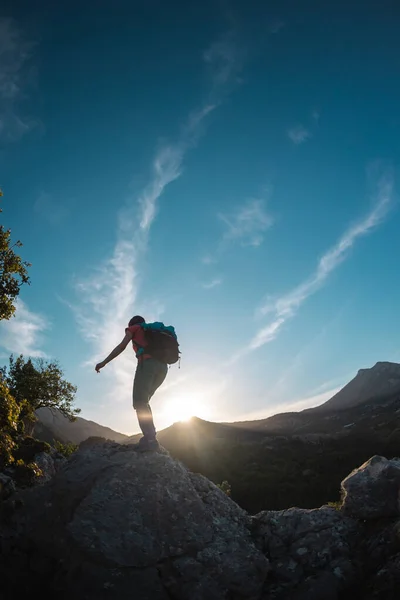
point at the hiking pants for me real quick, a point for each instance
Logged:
(150, 374)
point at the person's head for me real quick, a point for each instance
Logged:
(136, 320)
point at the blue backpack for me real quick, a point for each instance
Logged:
(162, 342)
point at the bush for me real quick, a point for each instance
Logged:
(7, 447)
(225, 487)
(29, 447)
(65, 449)
(26, 475)
(10, 410)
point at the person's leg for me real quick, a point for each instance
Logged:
(160, 371)
(149, 376)
(142, 388)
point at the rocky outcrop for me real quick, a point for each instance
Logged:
(373, 490)
(310, 552)
(127, 521)
(117, 524)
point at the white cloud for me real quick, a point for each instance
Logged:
(15, 52)
(286, 306)
(225, 60)
(50, 210)
(212, 284)
(23, 333)
(247, 223)
(208, 259)
(299, 134)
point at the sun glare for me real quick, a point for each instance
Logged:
(186, 406)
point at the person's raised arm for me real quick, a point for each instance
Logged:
(116, 352)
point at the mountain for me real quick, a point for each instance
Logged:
(52, 425)
(381, 380)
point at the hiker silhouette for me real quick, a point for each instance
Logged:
(156, 347)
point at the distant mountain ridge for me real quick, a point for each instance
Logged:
(52, 425)
(373, 384)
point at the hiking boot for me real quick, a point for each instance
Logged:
(146, 445)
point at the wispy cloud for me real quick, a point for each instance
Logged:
(49, 210)
(316, 115)
(299, 134)
(109, 297)
(276, 26)
(225, 59)
(23, 333)
(247, 223)
(15, 53)
(286, 306)
(212, 284)
(208, 259)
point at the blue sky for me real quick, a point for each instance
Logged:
(226, 167)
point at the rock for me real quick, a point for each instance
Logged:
(373, 490)
(59, 460)
(385, 585)
(45, 463)
(310, 552)
(7, 486)
(123, 523)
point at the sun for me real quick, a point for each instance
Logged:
(183, 407)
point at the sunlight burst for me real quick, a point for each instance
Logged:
(186, 406)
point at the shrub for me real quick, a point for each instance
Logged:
(65, 449)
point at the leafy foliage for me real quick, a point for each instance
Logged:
(225, 487)
(65, 449)
(9, 423)
(13, 272)
(25, 474)
(39, 384)
(29, 447)
(9, 409)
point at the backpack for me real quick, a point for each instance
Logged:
(162, 343)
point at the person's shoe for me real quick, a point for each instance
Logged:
(146, 445)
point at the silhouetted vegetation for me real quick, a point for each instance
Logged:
(13, 272)
(65, 449)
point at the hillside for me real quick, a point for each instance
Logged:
(285, 460)
(52, 425)
(379, 381)
(295, 462)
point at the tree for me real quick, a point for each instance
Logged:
(39, 384)
(13, 272)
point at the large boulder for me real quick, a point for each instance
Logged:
(7, 486)
(310, 552)
(373, 490)
(385, 584)
(114, 523)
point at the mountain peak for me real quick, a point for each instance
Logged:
(380, 367)
(377, 381)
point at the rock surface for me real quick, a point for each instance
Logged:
(373, 490)
(128, 521)
(310, 552)
(7, 486)
(116, 524)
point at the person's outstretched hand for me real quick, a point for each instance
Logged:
(99, 366)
